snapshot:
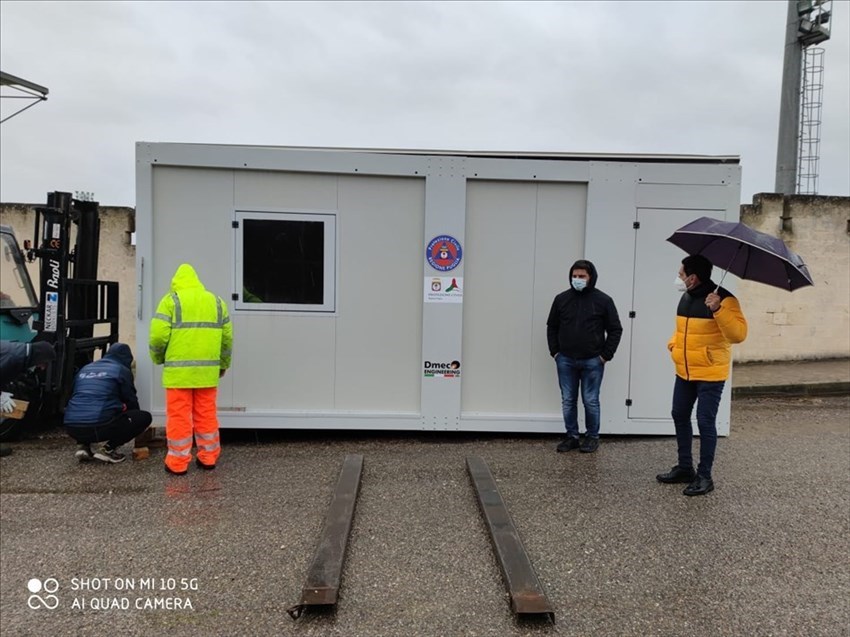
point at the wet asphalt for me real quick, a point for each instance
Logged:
(617, 553)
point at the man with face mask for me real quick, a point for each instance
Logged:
(583, 331)
(708, 321)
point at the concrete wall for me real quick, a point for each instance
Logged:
(811, 322)
(117, 261)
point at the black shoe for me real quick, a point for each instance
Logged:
(589, 445)
(205, 467)
(677, 475)
(105, 453)
(5, 450)
(173, 472)
(568, 444)
(700, 486)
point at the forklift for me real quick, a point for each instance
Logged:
(73, 311)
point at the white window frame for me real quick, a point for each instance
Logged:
(328, 306)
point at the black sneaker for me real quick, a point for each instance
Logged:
(568, 444)
(205, 467)
(677, 475)
(84, 453)
(589, 445)
(105, 454)
(700, 486)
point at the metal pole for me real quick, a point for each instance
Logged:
(789, 109)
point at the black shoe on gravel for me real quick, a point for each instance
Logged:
(700, 486)
(677, 475)
(568, 444)
(589, 445)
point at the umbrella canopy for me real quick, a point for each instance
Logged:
(746, 253)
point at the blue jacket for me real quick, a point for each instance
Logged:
(103, 389)
(14, 357)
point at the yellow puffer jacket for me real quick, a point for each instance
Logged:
(191, 333)
(701, 346)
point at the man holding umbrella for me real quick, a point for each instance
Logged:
(708, 321)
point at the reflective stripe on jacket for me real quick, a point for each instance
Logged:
(191, 334)
(701, 346)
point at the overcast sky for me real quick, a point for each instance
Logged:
(632, 77)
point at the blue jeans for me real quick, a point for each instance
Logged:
(587, 374)
(706, 395)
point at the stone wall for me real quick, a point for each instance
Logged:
(116, 262)
(811, 322)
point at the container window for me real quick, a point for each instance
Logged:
(286, 261)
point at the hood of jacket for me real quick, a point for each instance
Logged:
(120, 353)
(184, 278)
(584, 264)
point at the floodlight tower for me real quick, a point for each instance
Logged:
(798, 147)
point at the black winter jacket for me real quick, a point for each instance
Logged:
(584, 324)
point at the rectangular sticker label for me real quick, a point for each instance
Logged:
(443, 289)
(441, 369)
(51, 311)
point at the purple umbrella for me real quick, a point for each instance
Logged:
(746, 253)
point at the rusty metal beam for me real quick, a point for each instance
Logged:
(321, 586)
(525, 591)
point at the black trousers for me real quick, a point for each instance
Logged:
(120, 430)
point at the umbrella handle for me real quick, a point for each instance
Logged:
(726, 271)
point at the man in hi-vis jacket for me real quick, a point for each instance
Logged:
(191, 336)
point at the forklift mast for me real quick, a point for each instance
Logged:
(71, 299)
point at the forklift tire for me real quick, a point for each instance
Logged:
(10, 429)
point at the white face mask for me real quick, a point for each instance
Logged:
(579, 284)
(680, 285)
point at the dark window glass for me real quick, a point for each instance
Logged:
(15, 285)
(284, 261)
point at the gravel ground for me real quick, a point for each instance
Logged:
(617, 553)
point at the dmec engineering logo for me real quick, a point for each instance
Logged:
(446, 370)
(42, 593)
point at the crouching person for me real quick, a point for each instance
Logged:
(103, 412)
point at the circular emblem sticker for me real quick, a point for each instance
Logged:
(444, 253)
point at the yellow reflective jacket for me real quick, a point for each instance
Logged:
(701, 346)
(191, 334)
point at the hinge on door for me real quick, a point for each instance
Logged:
(628, 402)
(235, 224)
(632, 314)
(636, 225)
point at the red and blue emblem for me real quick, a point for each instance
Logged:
(444, 253)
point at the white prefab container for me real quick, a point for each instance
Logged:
(388, 289)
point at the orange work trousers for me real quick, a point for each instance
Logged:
(188, 413)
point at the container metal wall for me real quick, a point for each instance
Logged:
(521, 240)
(357, 358)
(521, 221)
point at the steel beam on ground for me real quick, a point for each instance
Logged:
(525, 591)
(321, 587)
